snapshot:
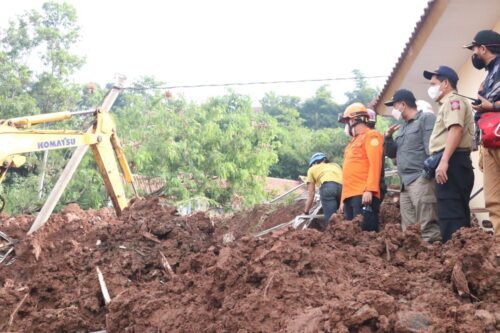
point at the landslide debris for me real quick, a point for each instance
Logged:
(342, 280)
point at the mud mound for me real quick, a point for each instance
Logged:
(389, 212)
(62, 286)
(342, 280)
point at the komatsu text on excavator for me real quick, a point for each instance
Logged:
(17, 137)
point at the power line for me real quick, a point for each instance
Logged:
(253, 83)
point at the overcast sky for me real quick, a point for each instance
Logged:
(189, 42)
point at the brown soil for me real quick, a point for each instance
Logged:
(342, 280)
(259, 218)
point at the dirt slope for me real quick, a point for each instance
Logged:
(343, 280)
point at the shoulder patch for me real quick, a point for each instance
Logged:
(455, 105)
(374, 142)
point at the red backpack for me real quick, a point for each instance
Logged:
(489, 123)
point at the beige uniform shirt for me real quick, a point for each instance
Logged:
(454, 110)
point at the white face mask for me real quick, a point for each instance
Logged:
(434, 92)
(347, 130)
(396, 113)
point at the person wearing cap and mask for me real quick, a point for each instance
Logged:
(328, 177)
(362, 168)
(450, 146)
(410, 147)
(486, 50)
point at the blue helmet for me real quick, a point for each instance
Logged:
(317, 157)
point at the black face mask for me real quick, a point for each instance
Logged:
(477, 62)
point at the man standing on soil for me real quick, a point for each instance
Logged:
(411, 148)
(486, 50)
(450, 147)
(362, 168)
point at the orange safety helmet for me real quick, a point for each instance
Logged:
(354, 111)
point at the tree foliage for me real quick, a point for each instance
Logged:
(321, 111)
(362, 92)
(36, 62)
(221, 150)
(285, 109)
(315, 129)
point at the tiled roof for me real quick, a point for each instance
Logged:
(416, 31)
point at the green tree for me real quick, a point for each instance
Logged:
(362, 93)
(16, 76)
(320, 111)
(285, 109)
(296, 146)
(320, 131)
(30, 87)
(27, 86)
(221, 150)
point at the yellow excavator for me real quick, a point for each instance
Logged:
(17, 137)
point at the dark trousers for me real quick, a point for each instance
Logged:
(353, 207)
(329, 194)
(454, 195)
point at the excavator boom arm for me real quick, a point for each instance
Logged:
(17, 137)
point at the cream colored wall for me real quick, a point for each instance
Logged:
(470, 79)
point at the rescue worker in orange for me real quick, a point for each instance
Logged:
(362, 168)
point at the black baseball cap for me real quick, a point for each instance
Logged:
(401, 95)
(445, 71)
(486, 38)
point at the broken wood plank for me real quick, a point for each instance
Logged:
(104, 289)
(16, 310)
(7, 238)
(166, 265)
(387, 251)
(2, 258)
(150, 236)
(268, 284)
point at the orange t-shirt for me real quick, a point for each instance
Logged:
(362, 164)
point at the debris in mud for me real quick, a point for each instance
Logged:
(342, 280)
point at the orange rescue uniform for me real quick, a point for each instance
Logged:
(362, 164)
